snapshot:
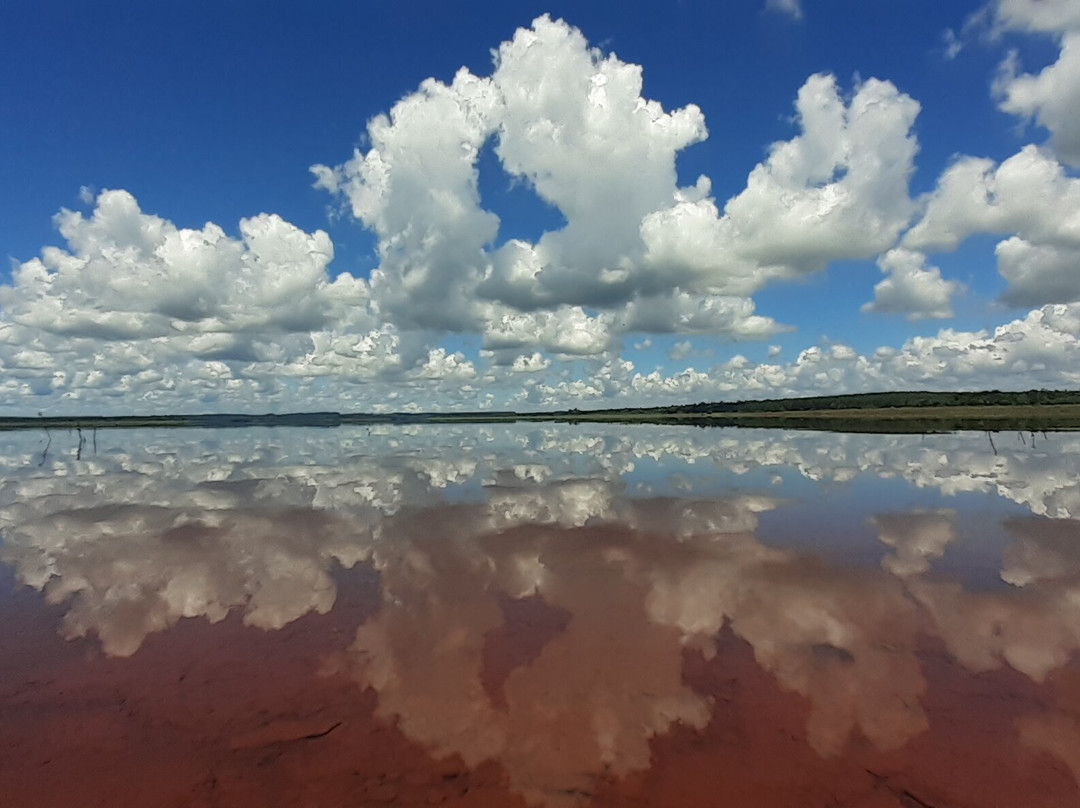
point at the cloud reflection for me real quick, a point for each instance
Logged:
(624, 533)
(917, 538)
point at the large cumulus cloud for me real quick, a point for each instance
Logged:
(138, 312)
(1048, 97)
(1028, 196)
(572, 123)
(130, 275)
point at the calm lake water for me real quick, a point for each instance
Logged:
(539, 615)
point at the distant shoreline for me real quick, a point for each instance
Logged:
(1034, 410)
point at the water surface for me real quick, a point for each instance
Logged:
(539, 615)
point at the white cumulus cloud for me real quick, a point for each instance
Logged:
(129, 275)
(1046, 16)
(572, 123)
(911, 288)
(1048, 98)
(1030, 197)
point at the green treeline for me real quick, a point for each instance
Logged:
(858, 401)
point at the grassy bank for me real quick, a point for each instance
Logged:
(1036, 411)
(867, 419)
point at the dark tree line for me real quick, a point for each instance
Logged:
(985, 398)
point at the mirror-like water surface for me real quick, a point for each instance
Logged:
(539, 615)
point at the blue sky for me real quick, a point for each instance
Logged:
(868, 254)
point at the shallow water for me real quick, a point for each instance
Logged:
(546, 615)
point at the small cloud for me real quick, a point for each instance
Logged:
(530, 364)
(952, 44)
(977, 23)
(737, 362)
(774, 351)
(912, 288)
(680, 351)
(86, 195)
(793, 8)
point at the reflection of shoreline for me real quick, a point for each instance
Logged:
(1039, 477)
(130, 544)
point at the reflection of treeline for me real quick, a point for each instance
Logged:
(950, 420)
(858, 401)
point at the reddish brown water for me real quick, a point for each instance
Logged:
(553, 643)
(227, 715)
